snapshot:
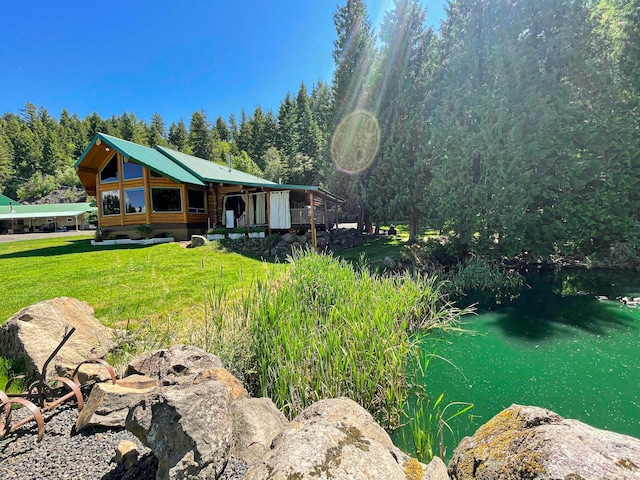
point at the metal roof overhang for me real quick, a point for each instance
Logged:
(27, 215)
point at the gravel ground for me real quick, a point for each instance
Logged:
(83, 456)
(64, 455)
(32, 236)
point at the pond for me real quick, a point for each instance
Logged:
(556, 346)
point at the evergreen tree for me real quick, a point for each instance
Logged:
(233, 127)
(397, 184)
(310, 140)
(6, 160)
(200, 138)
(223, 130)
(287, 133)
(353, 54)
(157, 131)
(132, 129)
(178, 135)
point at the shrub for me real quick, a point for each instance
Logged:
(144, 231)
(217, 231)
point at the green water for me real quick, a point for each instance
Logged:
(556, 346)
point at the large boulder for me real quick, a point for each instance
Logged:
(188, 428)
(335, 439)
(531, 442)
(256, 422)
(180, 364)
(33, 333)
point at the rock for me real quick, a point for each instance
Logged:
(334, 439)
(198, 241)
(531, 442)
(108, 405)
(389, 262)
(301, 239)
(435, 470)
(33, 333)
(235, 387)
(179, 364)
(126, 454)
(187, 427)
(137, 381)
(256, 422)
(289, 238)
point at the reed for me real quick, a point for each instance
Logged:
(9, 369)
(328, 329)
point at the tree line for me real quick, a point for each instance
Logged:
(38, 151)
(514, 128)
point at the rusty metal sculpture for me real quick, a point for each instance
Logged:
(43, 396)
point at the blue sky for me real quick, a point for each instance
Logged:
(173, 57)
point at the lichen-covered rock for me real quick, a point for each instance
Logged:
(33, 333)
(187, 427)
(179, 364)
(334, 439)
(533, 443)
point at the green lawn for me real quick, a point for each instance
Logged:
(375, 250)
(122, 282)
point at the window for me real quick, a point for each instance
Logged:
(154, 174)
(110, 202)
(166, 200)
(131, 171)
(134, 201)
(196, 199)
(109, 173)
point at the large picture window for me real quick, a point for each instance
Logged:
(131, 171)
(166, 200)
(109, 172)
(110, 202)
(196, 199)
(134, 200)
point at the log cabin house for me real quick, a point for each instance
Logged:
(183, 195)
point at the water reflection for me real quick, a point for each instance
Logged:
(557, 301)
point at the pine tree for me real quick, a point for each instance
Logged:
(178, 135)
(157, 133)
(223, 130)
(200, 138)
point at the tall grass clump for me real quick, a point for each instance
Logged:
(328, 329)
(9, 369)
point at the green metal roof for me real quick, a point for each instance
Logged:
(213, 172)
(6, 200)
(47, 210)
(146, 156)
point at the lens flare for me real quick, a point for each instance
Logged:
(355, 142)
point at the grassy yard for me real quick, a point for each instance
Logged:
(124, 282)
(375, 250)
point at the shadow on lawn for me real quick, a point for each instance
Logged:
(68, 248)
